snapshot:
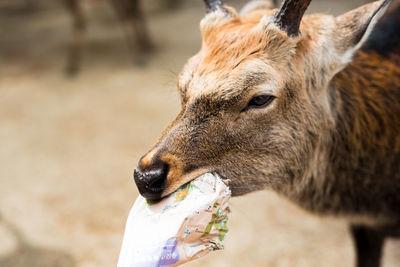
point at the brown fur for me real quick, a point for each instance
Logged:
(329, 141)
(365, 142)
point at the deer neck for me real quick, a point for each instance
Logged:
(361, 145)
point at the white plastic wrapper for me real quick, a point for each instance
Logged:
(184, 226)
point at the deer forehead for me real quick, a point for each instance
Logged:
(249, 52)
(252, 77)
(227, 45)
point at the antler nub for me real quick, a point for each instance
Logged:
(289, 15)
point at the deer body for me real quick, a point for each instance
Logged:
(361, 172)
(364, 151)
(300, 108)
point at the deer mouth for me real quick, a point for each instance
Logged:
(174, 184)
(188, 178)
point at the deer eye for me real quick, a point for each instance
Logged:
(260, 101)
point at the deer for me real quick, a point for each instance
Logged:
(303, 105)
(134, 24)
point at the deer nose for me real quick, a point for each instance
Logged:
(151, 180)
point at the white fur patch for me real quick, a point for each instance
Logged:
(212, 19)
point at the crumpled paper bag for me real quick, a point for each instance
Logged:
(184, 226)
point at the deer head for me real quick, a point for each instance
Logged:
(256, 104)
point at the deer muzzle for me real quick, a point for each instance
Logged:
(151, 181)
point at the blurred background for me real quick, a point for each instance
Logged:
(84, 92)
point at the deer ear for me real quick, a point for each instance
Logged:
(354, 27)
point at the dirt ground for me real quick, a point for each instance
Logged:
(68, 146)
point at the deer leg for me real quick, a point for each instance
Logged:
(76, 43)
(139, 27)
(368, 243)
(136, 33)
